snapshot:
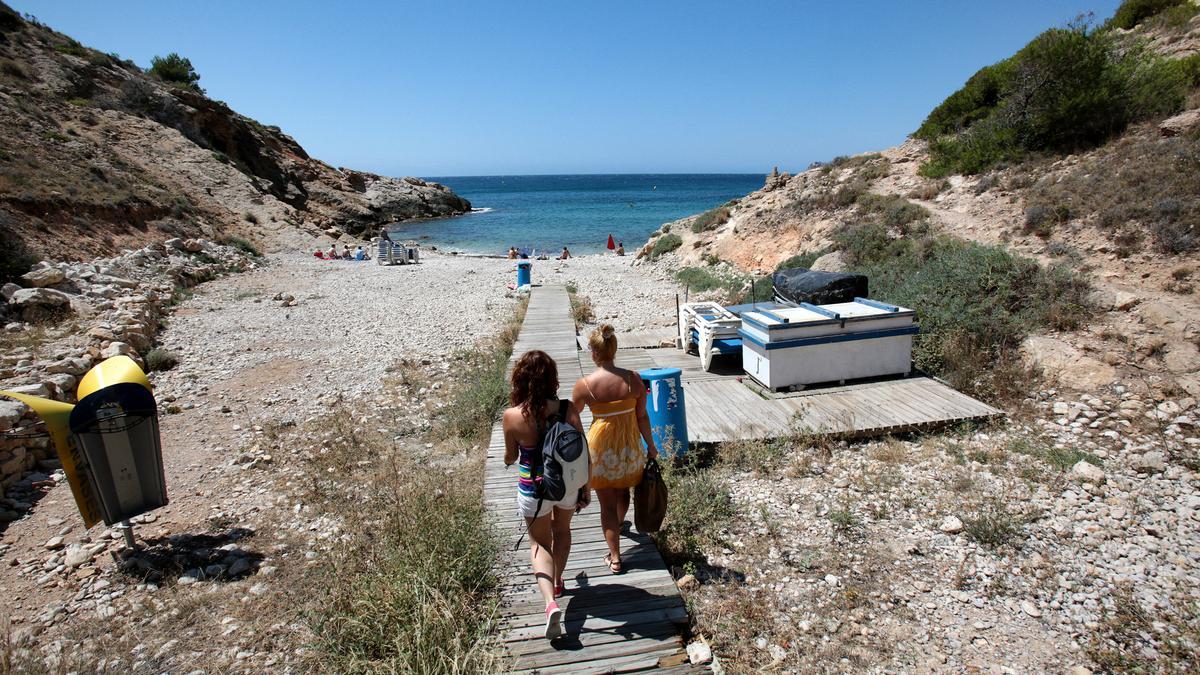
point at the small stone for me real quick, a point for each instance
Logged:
(951, 525)
(190, 577)
(239, 567)
(54, 543)
(1088, 472)
(687, 582)
(699, 653)
(1030, 609)
(1151, 462)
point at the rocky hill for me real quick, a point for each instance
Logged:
(97, 156)
(1122, 212)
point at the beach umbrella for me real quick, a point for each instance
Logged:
(611, 243)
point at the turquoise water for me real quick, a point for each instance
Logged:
(579, 211)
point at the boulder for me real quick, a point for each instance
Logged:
(1151, 462)
(1110, 300)
(1179, 124)
(43, 276)
(193, 246)
(40, 297)
(1182, 357)
(830, 262)
(1087, 472)
(951, 525)
(10, 413)
(8, 289)
(1057, 358)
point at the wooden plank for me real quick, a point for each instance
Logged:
(613, 622)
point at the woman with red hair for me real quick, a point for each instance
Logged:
(535, 405)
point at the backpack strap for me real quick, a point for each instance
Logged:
(563, 407)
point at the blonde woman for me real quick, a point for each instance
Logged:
(620, 425)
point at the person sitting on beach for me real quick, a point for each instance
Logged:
(621, 248)
(332, 252)
(317, 254)
(359, 254)
(347, 254)
(512, 252)
(565, 255)
(534, 399)
(620, 424)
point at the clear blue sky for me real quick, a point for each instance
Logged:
(521, 87)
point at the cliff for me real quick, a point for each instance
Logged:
(97, 156)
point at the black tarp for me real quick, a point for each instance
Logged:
(818, 288)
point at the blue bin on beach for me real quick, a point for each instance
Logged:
(524, 273)
(664, 403)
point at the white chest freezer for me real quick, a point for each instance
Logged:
(810, 344)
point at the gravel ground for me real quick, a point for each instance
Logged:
(268, 348)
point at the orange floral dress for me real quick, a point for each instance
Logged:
(615, 445)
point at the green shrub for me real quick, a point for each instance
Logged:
(700, 505)
(1132, 12)
(994, 526)
(711, 219)
(160, 359)
(1068, 89)
(976, 303)
(701, 279)
(896, 211)
(663, 245)
(801, 261)
(249, 217)
(10, 67)
(72, 47)
(177, 70)
(245, 246)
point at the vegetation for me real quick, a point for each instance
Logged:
(158, 359)
(711, 219)
(700, 505)
(244, 245)
(581, 309)
(1142, 188)
(895, 211)
(733, 284)
(977, 302)
(1134, 12)
(176, 70)
(1069, 89)
(994, 526)
(802, 260)
(410, 586)
(477, 403)
(663, 245)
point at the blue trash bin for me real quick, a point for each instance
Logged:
(524, 273)
(665, 405)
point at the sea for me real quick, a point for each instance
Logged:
(576, 211)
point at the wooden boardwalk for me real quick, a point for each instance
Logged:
(633, 621)
(622, 623)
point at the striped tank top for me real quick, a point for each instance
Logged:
(529, 470)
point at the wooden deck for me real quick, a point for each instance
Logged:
(632, 622)
(626, 623)
(721, 407)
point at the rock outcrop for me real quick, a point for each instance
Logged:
(98, 157)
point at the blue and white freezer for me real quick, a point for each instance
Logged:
(810, 344)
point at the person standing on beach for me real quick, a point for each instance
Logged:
(535, 403)
(617, 398)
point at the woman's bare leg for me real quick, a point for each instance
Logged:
(541, 556)
(560, 527)
(622, 506)
(610, 520)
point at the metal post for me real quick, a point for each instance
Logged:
(127, 530)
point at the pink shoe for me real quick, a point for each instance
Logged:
(560, 588)
(553, 621)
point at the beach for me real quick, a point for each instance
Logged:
(249, 366)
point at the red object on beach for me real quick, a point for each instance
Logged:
(611, 243)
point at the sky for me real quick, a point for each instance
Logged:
(452, 88)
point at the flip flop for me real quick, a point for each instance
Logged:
(614, 566)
